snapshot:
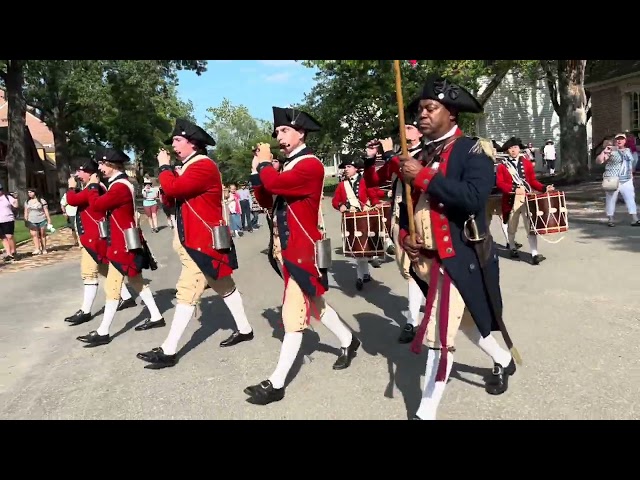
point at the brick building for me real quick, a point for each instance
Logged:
(614, 86)
(41, 169)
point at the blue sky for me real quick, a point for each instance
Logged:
(256, 84)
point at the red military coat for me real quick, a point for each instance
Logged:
(197, 194)
(296, 206)
(504, 182)
(118, 201)
(87, 219)
(364, 194)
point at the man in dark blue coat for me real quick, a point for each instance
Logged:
(463, 278)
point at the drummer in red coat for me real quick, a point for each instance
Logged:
(515, 177)
(93, 260)
(294, 196)
(346, 200)
(118, 204)
(203, 240)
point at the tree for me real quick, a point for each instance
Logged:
(12, 77)
(125, 103)
(565, 79)
(355, 100)
(236, 133)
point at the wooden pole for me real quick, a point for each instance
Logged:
(405, 150)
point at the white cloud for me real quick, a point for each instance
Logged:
(281, 77)
(277, 63)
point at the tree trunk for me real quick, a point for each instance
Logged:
(62, 157)
(573, 118)
(17, 118)
(139, 167)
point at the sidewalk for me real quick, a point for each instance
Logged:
(59, 248)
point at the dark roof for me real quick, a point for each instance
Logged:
(603, 70)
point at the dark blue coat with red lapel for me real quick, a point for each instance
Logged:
(296, 206)
(118, 204)
(87, 220)
(463, 190)
(197, 195)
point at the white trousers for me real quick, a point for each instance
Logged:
(628, 193)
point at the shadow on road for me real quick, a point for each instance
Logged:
(374, 292)
(310, 342)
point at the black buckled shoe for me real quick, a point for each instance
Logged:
(92, 339)
(158, 359)
(236, 338)
(408, 334)
(148, 324)
(78, 318)
(359, 284)
(499, 381)
(124, 304)
(264, 393)
(347, 354)
(537, 259)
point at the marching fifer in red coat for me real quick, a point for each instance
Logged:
(345, 199)
(207, 258)
(389, 171)
(127, 250)
(515, 177)
(294, 196)
(93, 259)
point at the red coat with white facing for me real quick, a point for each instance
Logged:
(87, 219)
(364, 194)
(118, 201)
(504, 182)
(197, 194)
(295, 214)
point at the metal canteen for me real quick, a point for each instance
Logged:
(132, 238)
(221, 237)
(323, 253)
(103, 228)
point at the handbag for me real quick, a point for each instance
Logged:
(610, 184)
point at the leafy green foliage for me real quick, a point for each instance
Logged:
(355, 100)
(236, 133)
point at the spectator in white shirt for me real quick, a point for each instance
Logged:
(550, 156)
(70, 214)
(245, 204)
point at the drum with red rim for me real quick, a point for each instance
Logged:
(363, 233)
(547, 213)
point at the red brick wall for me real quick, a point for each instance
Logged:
(606, 110)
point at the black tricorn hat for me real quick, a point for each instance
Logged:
(450, 95)
(111, 155)
(190, 131)
(496, 145)
(293, 118)
(354, 161)
(90, 166)
(512, 142)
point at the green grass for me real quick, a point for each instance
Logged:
(330, 184)
(21, 232)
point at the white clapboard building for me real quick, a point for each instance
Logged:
(522, 108)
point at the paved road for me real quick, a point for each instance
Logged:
(575, 319)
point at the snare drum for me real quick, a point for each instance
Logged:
(386, 214)
(363, 234)
(547, 213)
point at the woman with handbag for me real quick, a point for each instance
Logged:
(618, 178)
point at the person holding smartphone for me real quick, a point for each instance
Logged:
(619, 163)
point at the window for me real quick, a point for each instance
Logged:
(635, 111)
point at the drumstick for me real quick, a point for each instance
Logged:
(405, 150)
